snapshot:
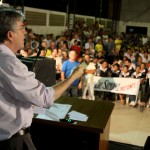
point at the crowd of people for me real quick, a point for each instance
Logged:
(80, 55)
(102, 53)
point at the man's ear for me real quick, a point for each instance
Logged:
(10, 35)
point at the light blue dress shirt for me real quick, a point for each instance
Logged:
(19, 91)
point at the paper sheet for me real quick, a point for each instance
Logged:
(74, 115)
(55, 112)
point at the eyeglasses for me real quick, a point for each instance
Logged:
(21, 28)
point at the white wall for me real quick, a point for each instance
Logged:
(47, 30)
(134, 13)
(122, 26)
(135, 10)
(56, 30)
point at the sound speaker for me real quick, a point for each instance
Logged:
(45, 71)
(28, 62)
(147, 144)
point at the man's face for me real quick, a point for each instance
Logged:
(115, 68)
(76, 36)
(72, 55)
(125, 69)
(129, 52)
(87, 58)
(18, 36)
(127, 63)
(138, 69)
(104, 64)
(52, 44)
(44, 44)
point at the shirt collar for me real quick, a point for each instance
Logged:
(5, 50)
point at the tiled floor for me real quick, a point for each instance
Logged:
(129, 125)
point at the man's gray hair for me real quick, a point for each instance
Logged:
(8, 19)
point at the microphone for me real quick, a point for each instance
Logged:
(40, 48)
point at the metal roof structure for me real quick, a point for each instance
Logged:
(83, 7)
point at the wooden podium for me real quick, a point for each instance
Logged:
(90, 135)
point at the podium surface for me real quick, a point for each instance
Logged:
(90, 135)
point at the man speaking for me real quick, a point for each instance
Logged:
(19, 90)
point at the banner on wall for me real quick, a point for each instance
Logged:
(128, 86)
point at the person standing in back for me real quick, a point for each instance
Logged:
(67, 67)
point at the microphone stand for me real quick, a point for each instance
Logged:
(38, 54)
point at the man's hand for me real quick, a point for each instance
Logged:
(62, 86)
(77, 72)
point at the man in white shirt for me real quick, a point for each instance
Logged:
(130, 55)
(19, 90)
(88, 78)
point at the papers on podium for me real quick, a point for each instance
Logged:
(55, 112)
(74, 115)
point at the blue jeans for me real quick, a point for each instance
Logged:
(72, 91)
